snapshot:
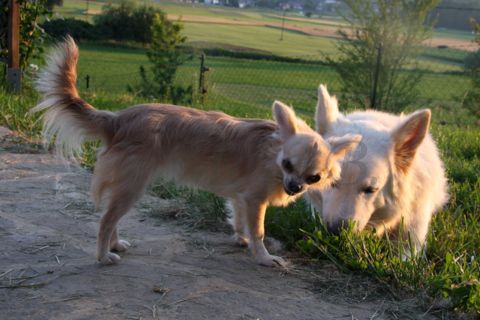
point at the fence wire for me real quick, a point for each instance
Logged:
(255, 84)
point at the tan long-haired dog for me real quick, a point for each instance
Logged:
(253, 163)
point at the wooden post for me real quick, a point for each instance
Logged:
(14, 75)
(373, 99)
(202, 87)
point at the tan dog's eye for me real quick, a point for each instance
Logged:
(313, 178)
(369, 190)
(287, 165)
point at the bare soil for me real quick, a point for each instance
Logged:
(48, 270)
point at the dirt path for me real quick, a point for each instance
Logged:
(48, 270)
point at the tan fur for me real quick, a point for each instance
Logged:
(239, 159)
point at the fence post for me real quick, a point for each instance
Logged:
(202, 88)
(14, 75)
(87, 81)
(373, 98)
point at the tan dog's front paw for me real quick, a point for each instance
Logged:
(121, 246)
(271, 261)
(109, 258)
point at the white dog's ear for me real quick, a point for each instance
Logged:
(407, 137)
(286, 120)
(341, 146)
(327, 110)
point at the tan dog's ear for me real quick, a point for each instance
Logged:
(341, 146)
(286, 120)
(407, 137)
(327, 110)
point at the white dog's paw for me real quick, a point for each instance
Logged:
(240, 240)
(109, 258)
(121, 246)
(271, 261)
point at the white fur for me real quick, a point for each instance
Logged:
(410, 187)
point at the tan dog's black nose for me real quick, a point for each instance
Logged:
(293, 188)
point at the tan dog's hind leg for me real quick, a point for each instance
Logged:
(119, 205)
(239, 222)
(117, 244)
(255, 222)
(128, 180)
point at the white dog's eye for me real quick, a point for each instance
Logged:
(313, 178)
(369, 190)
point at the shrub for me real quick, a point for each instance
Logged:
(78, 29)
(126, 21)
(166, 56)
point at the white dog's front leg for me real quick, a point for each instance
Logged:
(255, 219)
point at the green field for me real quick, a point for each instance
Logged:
(261, 37)
(243, 82)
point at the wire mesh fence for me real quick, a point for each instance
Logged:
(253, 84)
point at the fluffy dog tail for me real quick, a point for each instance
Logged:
(69, 120)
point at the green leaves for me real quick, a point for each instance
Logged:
(166, 55)
(379, 49)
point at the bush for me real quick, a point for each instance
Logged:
(126, 21)
(166, 56)
(78, 29)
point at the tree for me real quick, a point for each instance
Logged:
(309, 7)
(126, 21)
(166, 56)
(32, 35)
(378, 50)
(49, 4)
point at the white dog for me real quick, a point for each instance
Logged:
(395, 174)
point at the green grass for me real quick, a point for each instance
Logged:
(14, 113)
(261, 38)
(454, 34)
